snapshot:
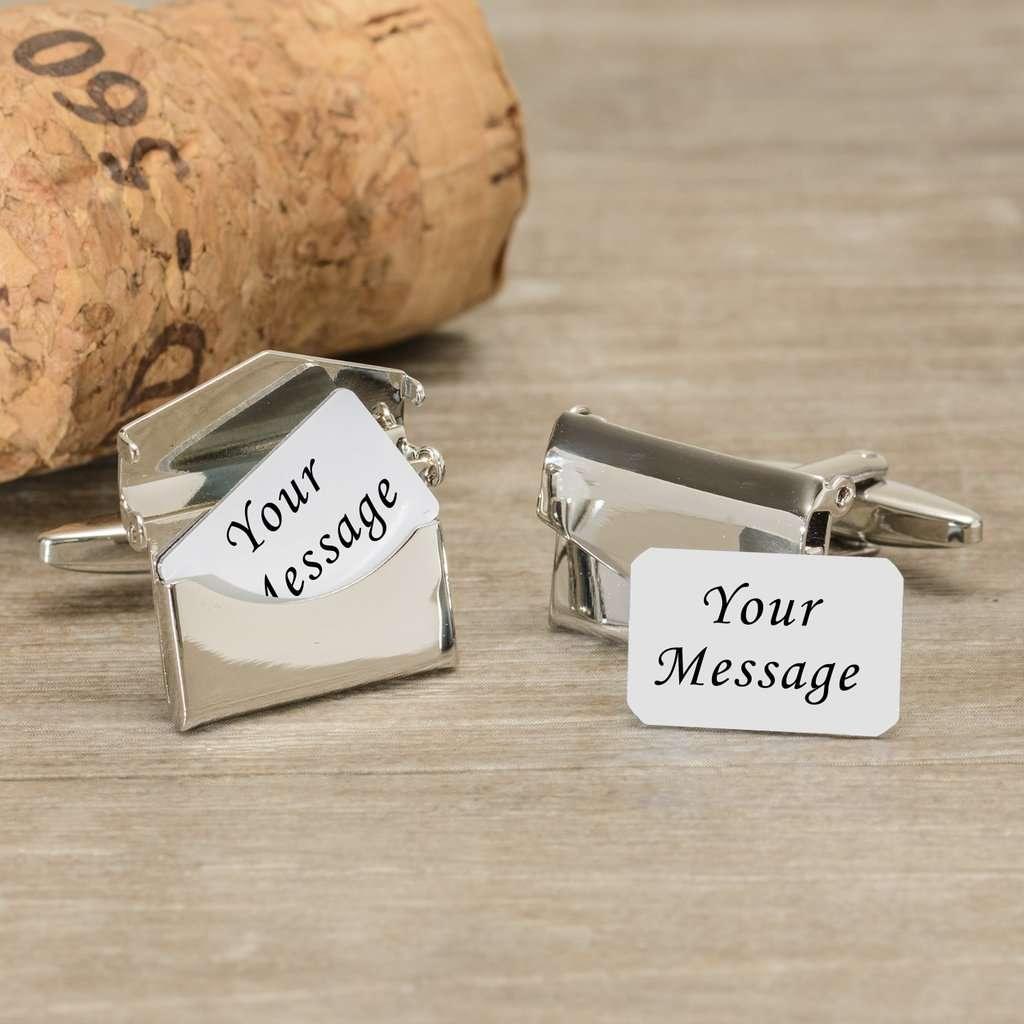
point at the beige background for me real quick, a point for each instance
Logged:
(779, 229)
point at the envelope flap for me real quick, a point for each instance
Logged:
(180, 459)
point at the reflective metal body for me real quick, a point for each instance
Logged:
(98, 545)
(225, 655)
(610, 494)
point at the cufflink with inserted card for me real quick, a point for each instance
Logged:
(695, 559)
(290, 530)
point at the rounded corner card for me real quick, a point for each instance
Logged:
(765, 642)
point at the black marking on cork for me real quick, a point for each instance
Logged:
(187, 336)
(184, 248)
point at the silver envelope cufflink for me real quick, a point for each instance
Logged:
(289, 527)
(610, 494)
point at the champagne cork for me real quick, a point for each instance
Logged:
(183, 187)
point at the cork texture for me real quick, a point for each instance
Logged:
(184, 186)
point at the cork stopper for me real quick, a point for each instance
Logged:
(183, 187)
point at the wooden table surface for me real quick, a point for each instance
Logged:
(780, 229)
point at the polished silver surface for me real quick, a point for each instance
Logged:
(225, 655)
(97, 545)
(610, 493)
(234, 655)
(896, 515)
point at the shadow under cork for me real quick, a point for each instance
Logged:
(437, 358)
(46, 500)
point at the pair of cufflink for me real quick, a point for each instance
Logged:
(295, 547)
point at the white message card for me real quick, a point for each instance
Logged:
(767, 642)
(329, 505)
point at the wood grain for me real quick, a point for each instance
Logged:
(781, 229)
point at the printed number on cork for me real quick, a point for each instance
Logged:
(29, 55)
(63, 53)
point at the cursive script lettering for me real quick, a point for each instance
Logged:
(367, 521)
(292, 496)
(796, 677)
(752, 610)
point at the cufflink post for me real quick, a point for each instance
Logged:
(98, 546)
